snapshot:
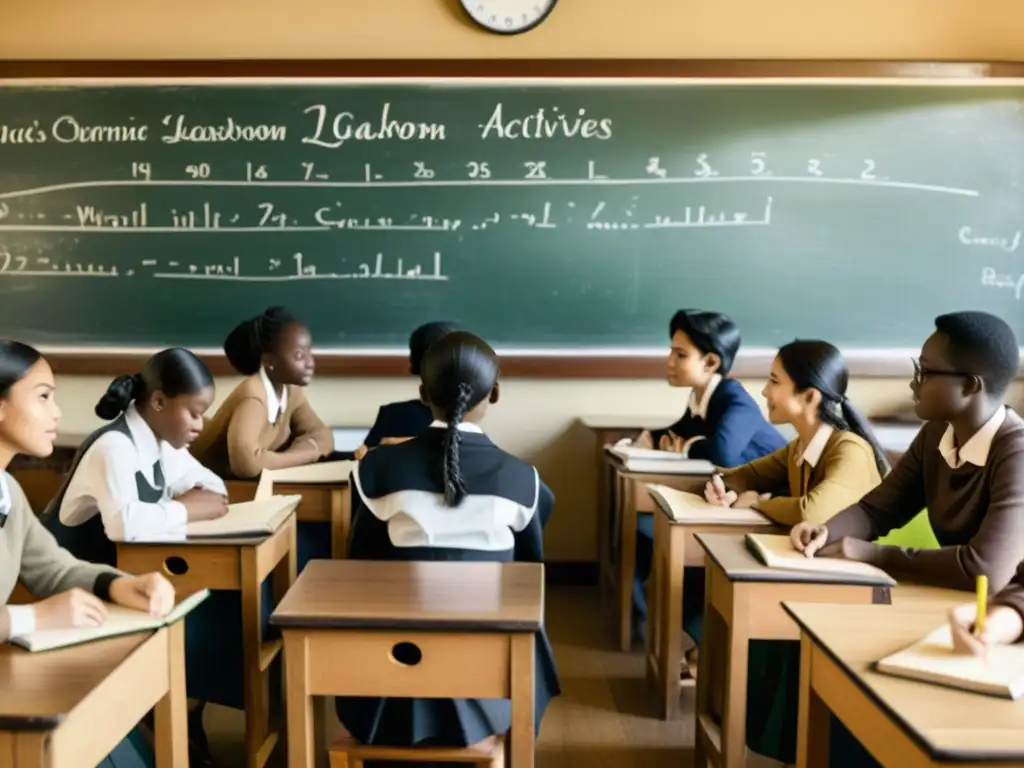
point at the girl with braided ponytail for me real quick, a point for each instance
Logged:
(448, 494)
(834, 461)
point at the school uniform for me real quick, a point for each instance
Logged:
(726, 427)
(249, 430)
(400, 514)
(122, 487)
(29, 553)
(975, 501)
(405, 419)
(833, 471)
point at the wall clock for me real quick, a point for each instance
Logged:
(508, 17)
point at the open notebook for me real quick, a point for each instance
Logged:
(322, 472)
(933, 660)
(120, 621)
(776, 551)
(657, 462)
(260, 517)
(684, 507)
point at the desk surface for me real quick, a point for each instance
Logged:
(37, 690)
(947, 723)
(730, 553)
(466, 596)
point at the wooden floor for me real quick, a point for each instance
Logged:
(604, 717)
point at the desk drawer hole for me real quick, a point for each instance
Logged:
(175, 566)
(406, 654)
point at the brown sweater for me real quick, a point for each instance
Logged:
(845, 471)
(977, 514)
(240, 441)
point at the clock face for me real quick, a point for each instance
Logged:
(508, 17)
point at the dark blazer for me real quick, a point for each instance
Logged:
(405, 419)
(735, 432)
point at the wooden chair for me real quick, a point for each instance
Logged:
(346, 752)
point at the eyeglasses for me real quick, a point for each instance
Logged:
(921, 373)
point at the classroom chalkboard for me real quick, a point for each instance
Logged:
(542, 215)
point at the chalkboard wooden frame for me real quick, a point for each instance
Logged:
(590, 365)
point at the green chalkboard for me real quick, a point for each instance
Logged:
(540, 215)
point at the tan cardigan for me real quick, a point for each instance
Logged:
(845, 472)
(240, 441)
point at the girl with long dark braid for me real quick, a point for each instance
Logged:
(448, 494)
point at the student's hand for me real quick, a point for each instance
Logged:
(203, 505)
(716, 493)
(394, 440)
(361, 451)
(643, 440)
(1003, 626)
(748, 500)
(672, 442)
(75, 608)
(848, 548)
(151, 593)
(808, 537)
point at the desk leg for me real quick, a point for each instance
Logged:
(257, 693)
(522, 684)
(298, 701)
(814, 720)
(666, 630)
(604, 502)
(341, 521)
(734, 718)
(627, 565)
(171, 735)
(25, 750)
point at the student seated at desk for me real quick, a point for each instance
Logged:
(266, 422)
(833, 462)
(135, 481)
(70, 591)
(448, 494)
(408, 418)
(966, 466)
(721, 424)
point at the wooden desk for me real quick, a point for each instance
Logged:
(69, 708)
(321, 503)
(237, 565)
(744, 602)
(675, 549)
(903, 723)
(619, 552)
(473, 622)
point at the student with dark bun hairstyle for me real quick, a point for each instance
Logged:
(722, 424)
(448, 494)
(70, 589)
(134, 480)
(402, 420)
(266, 422)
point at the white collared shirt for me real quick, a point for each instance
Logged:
(275, 406)
(975, 451)
(700, 408)
(104, 484)
(464, 426)
(812, 453)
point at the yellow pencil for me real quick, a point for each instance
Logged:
(979, 623)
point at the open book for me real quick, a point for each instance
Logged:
(120, 621)
(684, 507)
(657, 462)
(933, 660)
(324, 472)
(260, 517)
(776, 551)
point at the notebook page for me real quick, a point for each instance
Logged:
(691, 507)
(776, 551)
(260, 516)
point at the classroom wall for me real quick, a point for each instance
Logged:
(536, 419)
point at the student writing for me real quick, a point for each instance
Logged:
(448, 494)
(408, 418)
(966, 465)
(266, 422)
(134, 480)
(834, 461)
(721, 424)
(70, 591)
